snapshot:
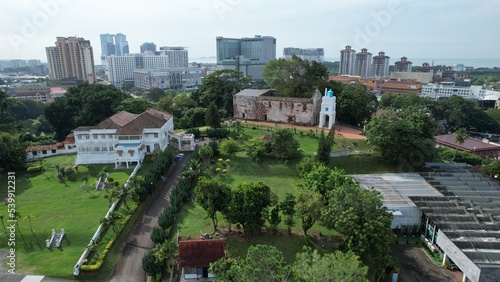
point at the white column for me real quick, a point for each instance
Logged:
(445, 258)
(464, 278)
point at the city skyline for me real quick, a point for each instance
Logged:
(416, 29)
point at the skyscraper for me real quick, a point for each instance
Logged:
(363, 63)
(248, 54)
(121, 44)
(71, 58)
(308, 54)
(148, 46)
(402, 66)
(380, 65)
(177, 56)
(122, 67)
(347, 61)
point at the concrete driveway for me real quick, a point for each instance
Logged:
(129, 265)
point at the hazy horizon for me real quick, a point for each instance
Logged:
(415, 29)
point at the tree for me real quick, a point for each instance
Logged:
(112, 220)
(151, 265)
(310, 266)
(405, 100)
(29, 217)
(287, 207)
(360, 215)
(213, 197)
(206, 153)
(355, 105)
(3, 224)
(248, 203)
(134, 105)
(325, 147)
(229, 147)
(406, 137)
(309, 204)
(93, 246)
(262, 263)
(124, 194)
(212, 116)
(84, 104)
(155, 94)
(12, 153)
(274, 219)
(5, 117)
(158, 235)
(219, 87)
(256, 149)
(294, 77)
(283, 145)
(322, 179)
(460, 137)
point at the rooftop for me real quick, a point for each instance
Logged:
(252, 92)
(469, 144)
(200, 253)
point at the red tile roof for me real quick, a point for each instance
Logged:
(469, 144)
(70, 139)
(114, 122)
(200, 253)
(148, 119)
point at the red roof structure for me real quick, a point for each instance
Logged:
(470, 145)
(200, 253)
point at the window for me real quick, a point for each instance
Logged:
(95, 136)
(111, 148)
(326, 109)
(54, 151)
(120, 153)
(103, 136)
(281, 106)
(131, 152)
(97, 149)
(44, 152)
(79, 136)
(135, 137)
(156, 135)
(110, 136)
(304, 107)
(104, 149)
(292, 106)
(34, 153)
(87, 136)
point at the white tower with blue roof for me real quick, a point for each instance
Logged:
(328, 110)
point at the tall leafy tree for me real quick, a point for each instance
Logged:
(5, 116)
(310, 266)
(213, 197)
(287, 207)
(230, 147)
(155, 94)
(283, 145)
(406, 136)
(355, 105)
(212, 116)
(262, 263)
(249, 201)
(112, 220)
(295, 77)
(219, 87)
(134, 105)
(309, 204)
(359, 214)
(12, 152)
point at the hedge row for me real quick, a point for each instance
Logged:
(163, 162)
(100, 260)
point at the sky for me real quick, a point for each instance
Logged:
(411, 28)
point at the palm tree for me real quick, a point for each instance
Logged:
(29, 217)
(112, 220)
(3, 225)
(94, 246)
(15, 216)
(124, 194)
(460, 137)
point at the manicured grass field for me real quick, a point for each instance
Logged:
(73, 205)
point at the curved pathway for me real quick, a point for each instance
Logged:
(129, 265)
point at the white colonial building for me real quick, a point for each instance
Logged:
(125, 138)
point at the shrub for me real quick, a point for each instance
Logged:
(36, 168)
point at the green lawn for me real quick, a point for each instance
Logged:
(72, 205)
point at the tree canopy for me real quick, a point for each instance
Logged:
(219, 87)
(406, 136)
(84, 104)
(355, 105)
(295, 77)
(213, 197)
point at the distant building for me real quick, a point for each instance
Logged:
(268, 105)
(71, 58)
(113, 44)
(148, 47)
(380, 65)
(421, 77)
(122, 68)
(473, 146)
(308, 54)
(29, 91)
(347, 61)
(42, 151)
(18, 64)
(363, 63)
(248, 55)
(195, 257)
(177, 56)
(403, 65)
(425, 68)
(401, 87)
(448, 89)
(168, 78)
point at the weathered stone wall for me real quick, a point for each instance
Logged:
(245, 107)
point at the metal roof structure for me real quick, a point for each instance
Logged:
(396, 188)
(469, 214)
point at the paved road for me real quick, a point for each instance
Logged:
(129, 265)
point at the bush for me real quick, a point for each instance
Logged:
(36, 168)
